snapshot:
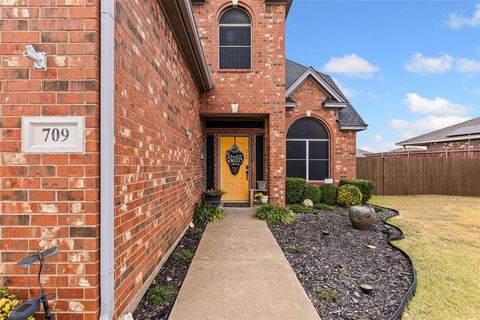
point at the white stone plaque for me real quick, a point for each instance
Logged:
(328, 181)
(53, 134)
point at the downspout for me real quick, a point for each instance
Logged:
(107, 138)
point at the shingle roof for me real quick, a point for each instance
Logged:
(444, 134)
(348, 116)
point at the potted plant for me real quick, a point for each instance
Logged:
(263, 198)
(213, 196)
(258, 197)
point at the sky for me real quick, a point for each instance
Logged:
(408, 67)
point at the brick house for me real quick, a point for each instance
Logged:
(179, 86)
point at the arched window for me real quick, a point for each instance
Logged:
(235, 43)
(308, 150)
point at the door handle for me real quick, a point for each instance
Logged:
(246, 172)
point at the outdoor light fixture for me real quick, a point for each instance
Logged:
(235, 3)
(39, 58)
(234, 107)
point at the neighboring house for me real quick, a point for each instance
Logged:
(362, 153)
(459, 136)
(192, 97)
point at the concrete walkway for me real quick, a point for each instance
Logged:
(240, 272)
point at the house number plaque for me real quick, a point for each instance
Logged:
(234, 159)
(53, 134)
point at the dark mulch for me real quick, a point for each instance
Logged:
(339, 262)
(171, 274)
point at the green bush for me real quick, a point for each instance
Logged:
(184, 255)
(273, 214)
(160, 295)
(348, 195)
(8, 302)
(313, 193)
(322, 206)
(329, 194)
(294, 188)
(208, 213)
(298, 208)
(365, 186)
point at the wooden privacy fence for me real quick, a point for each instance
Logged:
(410, 176)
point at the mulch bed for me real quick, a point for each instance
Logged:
(341, 261)
(171, 274)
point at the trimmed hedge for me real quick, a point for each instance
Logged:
(329, 194)
(365, 186)
(294, 188)
(313, 193)
(348, 195)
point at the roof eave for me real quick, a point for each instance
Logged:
(354, 128)
(179, 15)
(427, 142)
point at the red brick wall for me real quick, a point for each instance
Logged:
(50, 199)
(260, 90)
(309, 96)
(159, 174)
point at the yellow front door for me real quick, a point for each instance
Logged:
(234, 167)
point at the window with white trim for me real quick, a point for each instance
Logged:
(308, 150)
(235, 40)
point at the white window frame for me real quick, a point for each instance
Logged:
(307, 157)
(235, 25)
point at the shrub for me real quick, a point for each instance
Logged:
(293, 249)
(8, 302)
(273, 214)
(322, 206)
(208, 213)
(348, 195)
(313, 193)
(298, 208)
(328, 294)
(184, 255)
(365, 186)
(160, 295)
(329, 194)
(294, 188)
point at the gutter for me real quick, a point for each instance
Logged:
(107, 163)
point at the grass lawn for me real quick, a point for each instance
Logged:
(443, 238)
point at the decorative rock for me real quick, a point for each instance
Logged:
(371, 247)
(307, 203)
(191, 225)
(366, 288)
(325, 232)
(169, 279)
(361, 217)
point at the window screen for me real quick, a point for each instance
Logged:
(235, 32)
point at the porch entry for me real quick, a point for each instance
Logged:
(234, 164)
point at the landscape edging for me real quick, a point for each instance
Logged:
(411, 291)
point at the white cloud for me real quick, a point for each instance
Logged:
(456, 21)
(372, 95)
(408, 129)
(377, 137)
(348, 92)
(418, 104)
(421, 64)
(351, 65)
(467, 65)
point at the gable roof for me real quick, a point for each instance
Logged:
(461, 131)
(296, 73)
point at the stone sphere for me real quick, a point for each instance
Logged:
(361, 217)
(307, 203)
